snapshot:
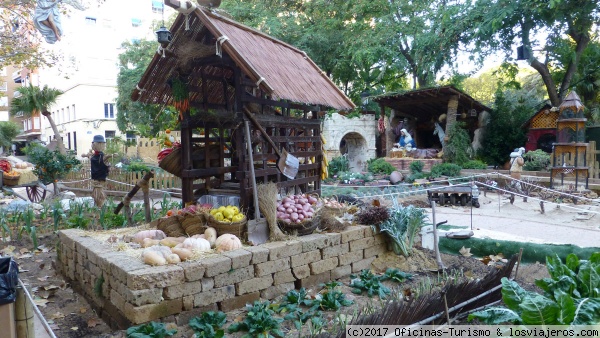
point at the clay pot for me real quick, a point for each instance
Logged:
(396, 177)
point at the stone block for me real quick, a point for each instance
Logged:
(188, 302)
(234, 276)
(279, 250)
(216, 265)
(94, 253)
(276, 290)
(208, 283)
(238, 301)
(362, 244)
(155, 277)
(351, 257)
(305, 258)
(362, 264)
(324, 265)
(335, 251)
(313, 280)
(121, 266)
(213, 296)
(254, 284)
(239, 258)
(146, 313)
(376, 250)
(380, 238)
(142, 297)
(314, 242)
(270, 267)
(184, 318)
(193, 271)
(117, 299)
(301, 272)
(66, 238)
(259, 254)
(180, 290)
(352, 233)
(284, 276)
(341, 271)
(334, 238)
(371, 231)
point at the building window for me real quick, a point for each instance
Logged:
(74, 116)
(4, 101)
(130, 136)
(109, 134)
(90, 21)
(68, 114)
(75, 141)
(3, 86)
(2, 71)
(62, 113)
(109, 110)
(157, 6)
(136, 22)
(69, 140)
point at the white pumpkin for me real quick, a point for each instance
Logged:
(196, 244)
(227, 242)
(152, 234)
(210, 234)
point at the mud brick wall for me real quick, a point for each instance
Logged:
(404, 163)
(125, 291)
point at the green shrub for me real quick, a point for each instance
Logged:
(537, 160)
(458, 149)
(338, 164)
(474, 164)
(415, 176)
(445, 169)
(380, 166)
(416, 167)
(136, 167)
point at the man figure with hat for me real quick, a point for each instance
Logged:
(99, 169)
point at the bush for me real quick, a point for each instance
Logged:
(474, 164)
(50, 166)
(338, 164)
(445, 169)
(415, 176)
(136, 167)
(458, 149)
(380, 166)
(537, 160)
(416, 167)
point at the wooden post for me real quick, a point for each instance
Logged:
(133, 191)
(451, 117)
(148, 214)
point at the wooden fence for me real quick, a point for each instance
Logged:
(122, 181)
(592, 160)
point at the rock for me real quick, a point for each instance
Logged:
(396, 177)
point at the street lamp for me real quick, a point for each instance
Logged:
(523, 53)
(364, 97)
(163, 36)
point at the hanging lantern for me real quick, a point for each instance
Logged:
(163, 36)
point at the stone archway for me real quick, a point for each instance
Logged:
(354, 146)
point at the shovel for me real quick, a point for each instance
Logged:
(288, 164)
(258, 230)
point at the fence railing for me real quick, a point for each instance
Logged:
(592, 160)
(121, 180)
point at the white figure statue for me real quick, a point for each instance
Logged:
(46, 19)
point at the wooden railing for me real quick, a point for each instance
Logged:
(121, 180)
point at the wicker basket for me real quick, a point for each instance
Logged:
(172, 162)
(11, 180)
(306, 227)
(238, 228)
(170, 226)
(192, 224)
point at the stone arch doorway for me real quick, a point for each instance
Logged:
(354, 147)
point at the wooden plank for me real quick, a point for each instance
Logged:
(201, 173)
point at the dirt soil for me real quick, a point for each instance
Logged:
(70, 315)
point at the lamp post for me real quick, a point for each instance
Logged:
(163, 36)
(364, 97)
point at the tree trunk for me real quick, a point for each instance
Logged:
(59, 142)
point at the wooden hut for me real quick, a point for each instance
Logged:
(219, 74)
(541, 129)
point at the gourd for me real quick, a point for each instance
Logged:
(173, 259)
(148, 242)
(184, 254)
(210, 234)
(171, 241)
(227, 242)
(152, 234)
(196, 244)
(153, 257)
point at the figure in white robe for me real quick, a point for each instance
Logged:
(46, 19)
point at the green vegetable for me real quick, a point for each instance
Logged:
(150, 330)
(259, 322)
(403, 226)
(370, 283)
(380, 166)
(209, 324)
(396, 275)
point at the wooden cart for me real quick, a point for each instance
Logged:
(36, 190)
(453, 195)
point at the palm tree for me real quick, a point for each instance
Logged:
(8, 131)
(33, 100)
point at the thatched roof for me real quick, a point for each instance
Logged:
(282, 71)
(428, 103)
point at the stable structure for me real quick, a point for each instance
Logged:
(420, 110)
(541, 129)
(569, 155)
(220, 73)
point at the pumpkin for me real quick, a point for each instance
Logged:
(152, 234)
(170, 241)
(152, 257)
(210, 234)
(196, 244)
(184, 254)
(173, 259)
(227, 242)
(148, 242)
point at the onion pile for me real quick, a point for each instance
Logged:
(296, 208)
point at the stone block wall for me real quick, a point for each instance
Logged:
(404, 163)
(125, 291)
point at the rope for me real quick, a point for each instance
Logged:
(63, 182)
(141, 90)
(161, 50)
(126, 201)
(98, 192)
(219, 45)
(261, 80)
(185, 10)
(133, 185)
(144, 185)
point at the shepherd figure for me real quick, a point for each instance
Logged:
(99, 169)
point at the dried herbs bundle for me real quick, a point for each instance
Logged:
(373, 215)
